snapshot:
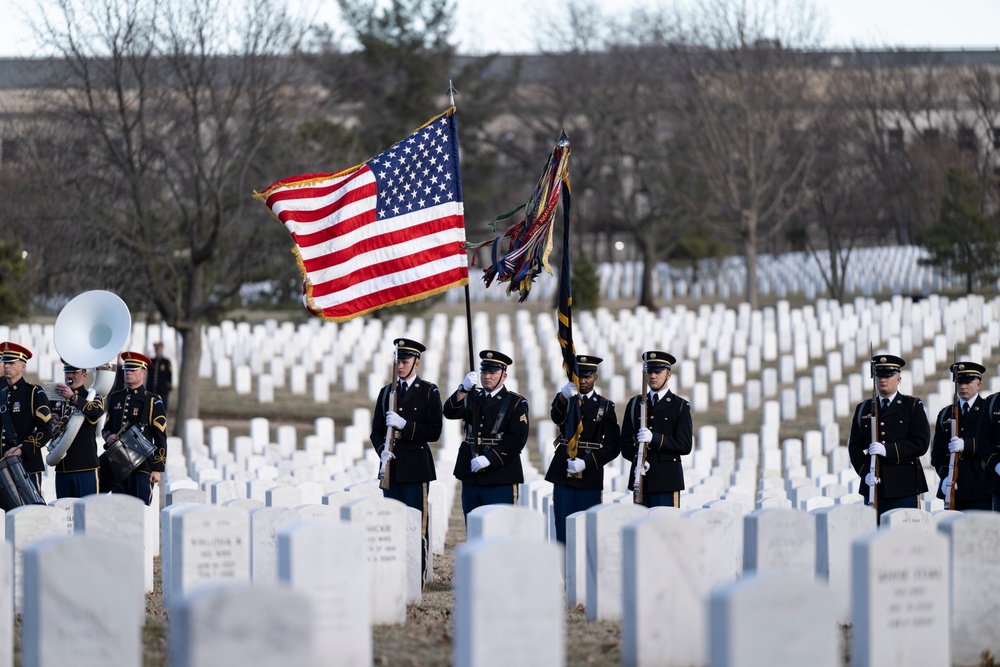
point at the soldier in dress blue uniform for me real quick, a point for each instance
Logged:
(77, 472)
(903, 438)
(496, 430)
(989, 442)
(29, 428)
(134, 405)
(667, 435)
(160, 378)
(417, 422)
(578, 483)
(970, 491)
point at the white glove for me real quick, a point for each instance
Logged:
(392, 420)
(480, 463)
(640, 470)
(871, 480)
(569, 390)
(643, 435)
(956, 444)
(386, 456)
(946, 487)
(574, 466)
(877, 449)
(470, 381)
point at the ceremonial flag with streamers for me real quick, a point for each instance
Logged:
(386, 232)
(522, 252)
(573, 426)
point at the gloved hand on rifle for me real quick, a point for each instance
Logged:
(569, 390)
(643, 436)
(876, 449)
(393, 420)
(386, 456)
(640, 470)
(956, 444)
(470, 381)
(946, 486)
(872, 480)
(574, 466)
(480, 463)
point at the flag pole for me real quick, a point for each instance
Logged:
(468, 299)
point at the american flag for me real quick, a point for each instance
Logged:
(387, 232)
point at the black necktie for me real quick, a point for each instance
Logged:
(402, 391)
(885, 404)
(652, 400)
(965, 409)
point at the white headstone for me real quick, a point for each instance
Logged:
(836, 529)
(517, 580)
(384, 523)
(119, 516)
(604, 557)
(264, 526)
(511, 520)
(770, 620)
(675, 549)
(25, 526)
(84, 603)
(234, 624)
(974, 541)
(327, 561)
(780, 541)
(207, 544)
(908, 517)
(723, 533)
(900, 599)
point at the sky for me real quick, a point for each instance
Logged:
(513, 26)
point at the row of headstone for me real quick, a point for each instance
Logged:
(909, 589)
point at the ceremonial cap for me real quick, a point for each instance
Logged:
(68, 367)
(13, 352)
(655, 360)
(407, 349)
(494, 361)
(133, 360)
(586, 365)
(886, 365)
(967, 371)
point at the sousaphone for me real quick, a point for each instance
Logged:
(89, 333)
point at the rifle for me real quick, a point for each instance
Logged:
(390, 433)
(873, 465)
(642, 452)
(953, 459)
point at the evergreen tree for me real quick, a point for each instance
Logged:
(964, 241)
(14, 294)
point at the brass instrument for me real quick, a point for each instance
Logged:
(89, 333)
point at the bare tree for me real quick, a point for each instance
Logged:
(605, 87)
(179, 107)
(747, 94)
(903, 107)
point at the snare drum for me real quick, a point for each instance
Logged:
(127, 453)
(16, 488)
